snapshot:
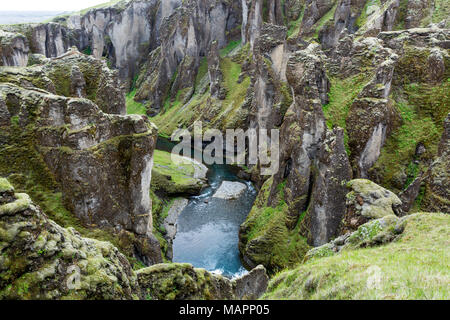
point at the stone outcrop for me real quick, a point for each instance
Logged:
(101, 160)
(373, 233)
(367, 201)
(72, 75)
(214, 72)
(41, 260)
(183, 282)
(14, 49)
(371, 118)
(230, 190)
(437, 193)
(94, 152)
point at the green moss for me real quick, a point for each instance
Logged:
(441, 10)
(362, 19)
(413, 267)
(230, 47)
(294, 26)
(342, 94)
(5, 185)
(22, 203)
(201, 73)
(134, 107)
(325, 18)
(60, 76)
(422, 116)
(267, 238)
(221, 114)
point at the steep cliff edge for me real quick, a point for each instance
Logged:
(100, 162)
(358, 89)
(41, 260)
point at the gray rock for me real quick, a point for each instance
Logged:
(230, 190)
(368, 201)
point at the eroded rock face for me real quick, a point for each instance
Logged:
(310, 153)
(14, 49)
(103, 162)
(184, 282)
(368, 201)
(307, 192)
(437, 183)
(186, 36)
(41, 260)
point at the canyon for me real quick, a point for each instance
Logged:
(358, 91)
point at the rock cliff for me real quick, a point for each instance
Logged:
(41, 260)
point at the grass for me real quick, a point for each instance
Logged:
(163, 163)
(414, 267)
(342, 94)
(276, 246)
(99, 6)
(171, 178)
(294, 26)
(134, 107)
(230, 47)
(223, 114)
(422, 113)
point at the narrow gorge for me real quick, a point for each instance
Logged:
(356, 92)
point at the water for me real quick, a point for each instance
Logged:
(208, 227)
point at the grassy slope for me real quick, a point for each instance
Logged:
(226, 113)
(414, 267)
(134, 107)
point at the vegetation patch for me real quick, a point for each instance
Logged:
(266, 238)
(413, 267)
(134, 107)
(342, 94)
(423, 110)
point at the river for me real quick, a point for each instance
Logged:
(208, 227)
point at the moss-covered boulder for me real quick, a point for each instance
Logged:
(41, 260)
(367, 201)
(184, 282)
(373, 233)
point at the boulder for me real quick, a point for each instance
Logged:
(367, 201)
(373, 233)
(40, 260)
(230, 190)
